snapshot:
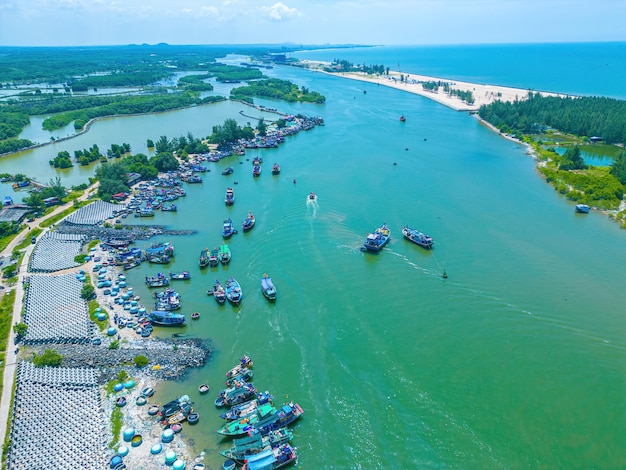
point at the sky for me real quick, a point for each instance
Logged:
(308, 22)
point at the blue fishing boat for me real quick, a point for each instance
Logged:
(214, 258)
(234, 294)
(229, 199)
(228, 229)
(582, 208)
(275, 169)
(283, 417)
(271, 459)
(377, 240)
(256, 170)
(157, 281)
(218, 292)
(203, 260)
(180, 276)
(269, 291)
(244, 447)
(417, 237)
(247, 408)
(164, 318)
(249, 222)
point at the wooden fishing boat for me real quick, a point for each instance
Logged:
(249, 222)
(271, 459)
(234, 294)
(256, 170)
(377, 240)
(166, 318)
(417, 237)
(180, 276)
(275, 169)
(219, 293)
(244, 363)
(241, 426)
(244, 447)
(229, 198)
(247, 408)
(214, 257)
(269, 291)
(240, 393)
(203, 260)
(228, 228)
(224, 255)
(157, 281)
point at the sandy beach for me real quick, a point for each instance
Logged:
(483, 93)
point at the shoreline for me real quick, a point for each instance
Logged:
(483, 93)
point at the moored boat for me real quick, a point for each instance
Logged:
(244, 409)
(214, 257)
(203, 260)
(275, 169)
(240, 427)
(229, 199)
(238, 393)
(249, 222)
(256, 170)
(582, 208)
(234, 294)
(166, 318)
(244, 363)
(271, 459)
(228, 170)
(377, 240)
(218, 292)
(224, 255)
(203, 388)
(228, 228)
(180, 276)
(243, 447)
(286, 415)
(269, 291)
(417, 237)
(157, 281)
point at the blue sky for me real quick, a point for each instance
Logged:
(389, 22)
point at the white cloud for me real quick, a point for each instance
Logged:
(280, 12)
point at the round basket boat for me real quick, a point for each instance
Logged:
(148, 391)
(141, 400)
(229, 465)
(178, 465)
(118, 387)
(153, 410)
(122, 451)
(115, 461)
(156, 448)
(193, 418)
(128, 434)
(136, 440)
(195, 315)
(176, 427)
(170, 457)
(204, 388)
(167, 436)
(121, 401)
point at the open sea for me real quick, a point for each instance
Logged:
(516, 360)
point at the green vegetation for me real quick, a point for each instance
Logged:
(93, 305)
(585, 116)
(195, 83)
(141, 361)
(49, 358)
(29, 234)
(114, 344)
(80, 259)
(346, 66)
(87, 292)
(278, 89)
(62, 160)
(54, 219)
(20, 329)
(229, 133)
(8, 231)
(7, 302)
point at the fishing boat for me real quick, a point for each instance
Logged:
(245, 375)
(256, 170)
(165, 248)
(218, 292)
(157, 281)
(170, 208)
(275, 169)
(234, 294)
(180, 276)
(244, 363)
(249, 222)
(238, 393)
(203, 388)
(228, 170)
(158, 258)
(377, 240)
(244, 447)
(240, 427)
(8, 201)
(203, 260)
(286, 415)
(229, 199)
(271, 459)
(244, 409)
(402, 118)
(214, 257)
(582, 208)
(312, 196)
(21, 184)
(224, 255)
(417, 237)
(269, 291)
(228, 228)
(165, 318)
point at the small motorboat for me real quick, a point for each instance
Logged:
(256, 170)
(203, 388)
(195, 315)
(269, 291)
(402, 118)
(219, 293)
(229, 198)
(582, 208)
(213, 258)
(180, 276)
(228, 171)
(312, 196)
(234, 294)
(228, 228)
(276, 169)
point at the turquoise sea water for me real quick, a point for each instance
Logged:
(515, 361)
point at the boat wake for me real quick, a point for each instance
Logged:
(312, 203)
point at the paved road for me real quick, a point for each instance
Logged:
(8, 380)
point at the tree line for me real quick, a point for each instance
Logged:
(583, 116)
(277, 89)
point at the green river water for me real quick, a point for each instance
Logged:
(516, 360)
